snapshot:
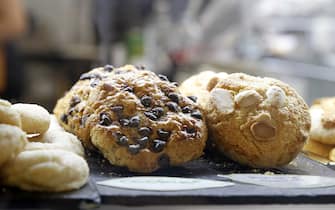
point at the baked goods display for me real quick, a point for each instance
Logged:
(260, 122)
(49, 159)
(134, 117)
(322, 134)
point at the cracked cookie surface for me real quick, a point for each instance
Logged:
(134, 117)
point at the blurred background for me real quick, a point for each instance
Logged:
(47, 44)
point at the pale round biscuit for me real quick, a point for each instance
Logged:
(57, 139)
(49, 170)
(137, 119)
(198, 85)
(34, 118)
(8, 115)
(12, 141)
(323, 121)
(260, 122)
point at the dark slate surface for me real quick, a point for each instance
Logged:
(86, 197)
(209, 168)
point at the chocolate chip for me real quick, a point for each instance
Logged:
(90, 76)
(117, 109)
(94, 83)
(186, 109)
(124, 122)
(143, 142)
(128, 89)
(175, 84)
(163, 77)
(105, 120)
(196, 114)
(134, 121)
(107, 87)
(190, 130)
(108, 68)
(158, 145)
(173, 107)
(83, 121)
(150, 115)
(146, 101)
(74, 101)
(174, 97)
(64, 119)
(134, 149)
(144, 131)
(71, 111)
(140, 67)
(164, 160)
(122, 140)
(158, 111)
(162, 134)
(193, 98)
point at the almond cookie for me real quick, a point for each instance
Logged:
(46, 170)
(196, 86)
(8, 115)
(260, 122)
(323, 121)
(12, 141)
(34, 118)
(134, 117)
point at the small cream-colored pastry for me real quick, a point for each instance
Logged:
(260, 122)
(34, 118)
(57, 139)
(8, 115)
(137, 119)
(12, 141)
(318, 148)
(323, 121)
(49, 170)
(197, 85)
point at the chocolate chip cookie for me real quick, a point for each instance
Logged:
(136, 118)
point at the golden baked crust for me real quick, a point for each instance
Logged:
(134, 117)
(260, 122)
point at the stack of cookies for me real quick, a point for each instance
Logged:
(322, 135)
(36, 156)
